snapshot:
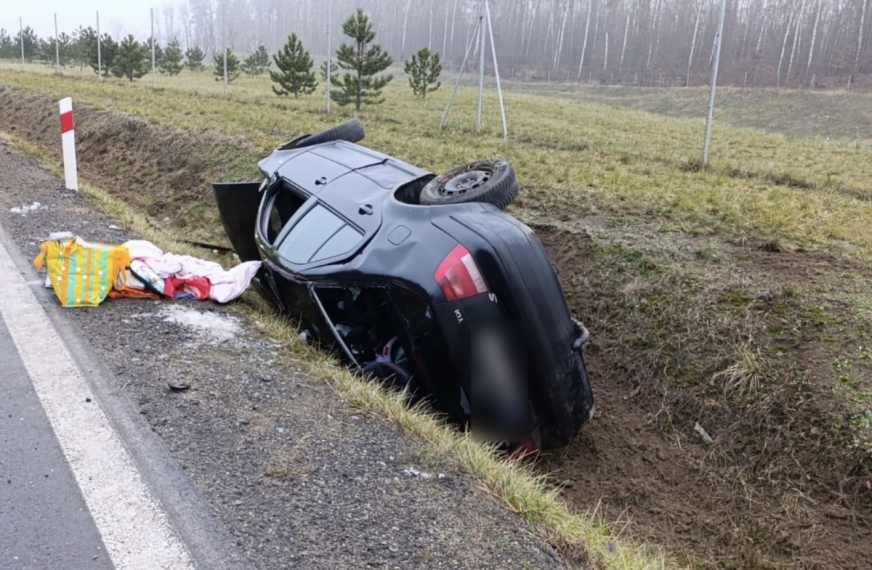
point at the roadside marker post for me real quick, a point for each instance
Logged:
(68, 138)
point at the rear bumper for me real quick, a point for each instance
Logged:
(518, 270)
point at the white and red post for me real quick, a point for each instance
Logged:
(68, 137)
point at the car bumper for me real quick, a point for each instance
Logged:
(519, 272)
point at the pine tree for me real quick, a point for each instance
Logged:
(171, 59)
(65, 49)
(45, 51)
(132, 59)
(294, 73)
(257, 63)
(80, 47)
(158, 51)
(423, 70)
(195, 58)
(31, 43)
(6, 46)
(360, 84)
(324, 70)
(107, 53)
(232, 66)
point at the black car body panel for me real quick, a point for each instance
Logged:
(348, 253)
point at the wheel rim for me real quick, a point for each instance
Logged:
(464, 182)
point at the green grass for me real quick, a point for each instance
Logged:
(578, 158)
(676, 291)
(828, 115)
(533, 496)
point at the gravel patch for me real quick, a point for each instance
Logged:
(297, 477)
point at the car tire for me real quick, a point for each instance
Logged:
(351, 131)
(490, 181)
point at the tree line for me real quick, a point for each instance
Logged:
(125, 58)
(766, 42)
(358, 76)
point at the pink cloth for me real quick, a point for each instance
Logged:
(195, 276)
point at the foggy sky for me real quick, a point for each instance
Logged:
(116, 16)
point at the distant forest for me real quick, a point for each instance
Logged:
(795, 43)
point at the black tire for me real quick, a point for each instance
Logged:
(351, 131)
(491, 181)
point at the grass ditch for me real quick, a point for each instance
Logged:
(721, 301)
(581, 538)
(766, 351)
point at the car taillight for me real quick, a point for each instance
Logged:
(458, 275)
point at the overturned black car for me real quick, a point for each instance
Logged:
(420, 281)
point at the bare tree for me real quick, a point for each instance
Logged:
(693, 42)
(860, 38)
(584, 44)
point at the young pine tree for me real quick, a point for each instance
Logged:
(423, 70)
(171, 59)
(65, 47)
(131, 60)
(83, 40)
(232, 66)
(158, 51)
(31, 43)
(257, 63)
(294, 75)
(362, 63)
(324, 70)
(7, 48)
(195, 58)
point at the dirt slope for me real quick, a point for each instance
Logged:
(774, 489)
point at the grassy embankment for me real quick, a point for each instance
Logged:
(675, 285)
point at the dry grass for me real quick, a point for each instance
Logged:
(672, 306)
(760, 186)
(745, 375)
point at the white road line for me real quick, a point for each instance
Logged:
(136, 532)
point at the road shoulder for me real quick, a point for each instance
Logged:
(292, 474)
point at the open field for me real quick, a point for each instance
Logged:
(737, 297)
(829, 115)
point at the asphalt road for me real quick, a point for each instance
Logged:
(44, 522)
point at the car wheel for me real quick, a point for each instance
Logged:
(351, 131)
(490, 181)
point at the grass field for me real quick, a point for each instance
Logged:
(583, 159)
(736, 297)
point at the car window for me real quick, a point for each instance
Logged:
(342, 241)
(320, 235)
(283, 206)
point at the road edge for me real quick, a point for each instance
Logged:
(207, 541)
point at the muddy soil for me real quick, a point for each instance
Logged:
(643, 466)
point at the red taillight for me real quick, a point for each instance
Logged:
(458, 275)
